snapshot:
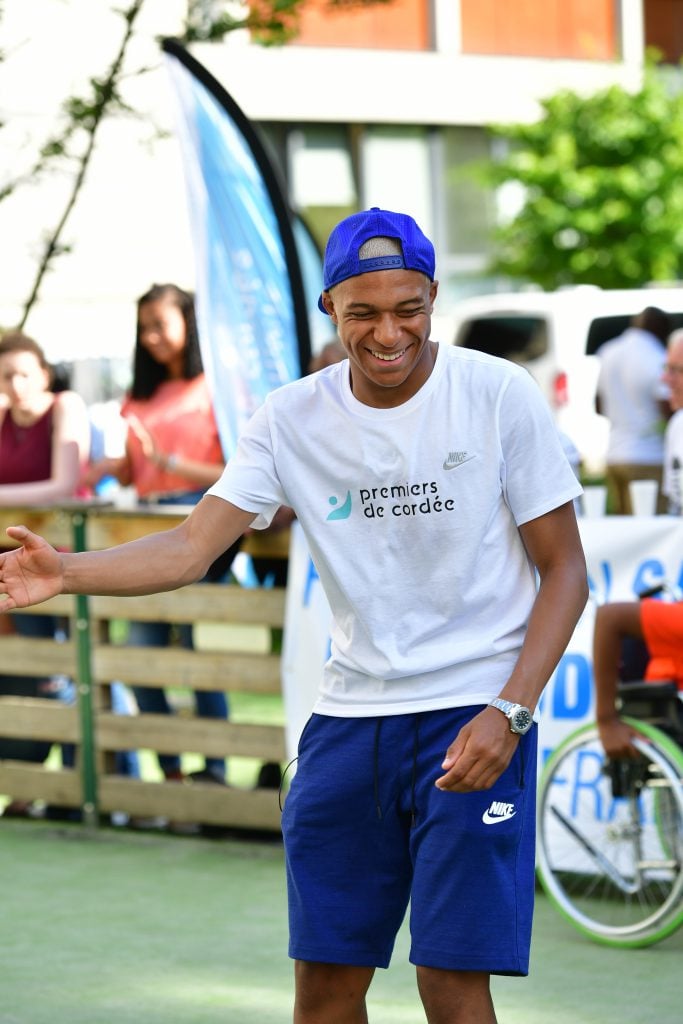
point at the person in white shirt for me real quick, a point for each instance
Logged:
(672, 485)
(633, 396)
(437, 503)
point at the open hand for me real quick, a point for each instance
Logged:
(97, 470)
(29, 574)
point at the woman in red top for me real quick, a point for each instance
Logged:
(44, 437)
(173, 454)
(44, 443)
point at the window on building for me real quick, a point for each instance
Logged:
(466, 212)
(664, 28)
(395, 171)
(399, 25)
(321, 175)
(578, 29)
(332, 171)
(469, 206)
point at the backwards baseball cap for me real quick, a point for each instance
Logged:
(343, 251)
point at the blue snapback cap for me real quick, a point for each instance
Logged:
(342, 258)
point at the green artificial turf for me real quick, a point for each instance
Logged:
(117, 927)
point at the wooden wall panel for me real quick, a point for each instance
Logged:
(229, 669)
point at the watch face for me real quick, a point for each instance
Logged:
(521, 721)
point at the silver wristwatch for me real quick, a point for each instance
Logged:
(519, 717)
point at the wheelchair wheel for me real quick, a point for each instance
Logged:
(610, 840)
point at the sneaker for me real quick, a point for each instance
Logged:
(208, 775)
(145, 824)
(269, 776)
(18, 809)
(184, 828)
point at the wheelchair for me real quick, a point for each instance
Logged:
(610, 834)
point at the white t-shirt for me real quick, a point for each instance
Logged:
(672, 483)
(630, 387)
(411, 518)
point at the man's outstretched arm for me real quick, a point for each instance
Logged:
(161, 561)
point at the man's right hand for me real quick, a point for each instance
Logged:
(29, 574)
(617, 738)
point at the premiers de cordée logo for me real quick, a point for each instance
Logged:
(393, 500)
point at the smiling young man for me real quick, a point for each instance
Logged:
(383, 320)
(432, 489)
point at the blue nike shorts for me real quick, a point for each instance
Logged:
(366, 832)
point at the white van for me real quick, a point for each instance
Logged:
(556, 335)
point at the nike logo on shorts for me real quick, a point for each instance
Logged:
(497, 812)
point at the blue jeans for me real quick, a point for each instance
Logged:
(33, 751)
(57, 688)
(153, 700)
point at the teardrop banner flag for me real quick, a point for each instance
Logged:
(253, 313)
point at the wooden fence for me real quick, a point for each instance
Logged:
(93, 661)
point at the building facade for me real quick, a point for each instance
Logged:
(388, 105)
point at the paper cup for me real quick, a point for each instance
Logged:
(643, 494)
(594, 501)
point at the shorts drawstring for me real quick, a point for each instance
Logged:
(413, 772)
(282, 782)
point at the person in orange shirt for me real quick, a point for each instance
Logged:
(659, 624)
(173, 453)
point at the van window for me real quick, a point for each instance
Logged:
(517, 338)
(604, 328)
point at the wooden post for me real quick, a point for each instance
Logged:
(84, 687)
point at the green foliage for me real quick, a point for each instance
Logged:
(270, 22)
(603, 184)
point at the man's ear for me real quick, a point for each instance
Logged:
(329, 306)
(433, 289)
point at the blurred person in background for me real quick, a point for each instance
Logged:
(672, 486)
(632, 395)
(173, 454)
(44, 436)
(331, 352)
(44, 444)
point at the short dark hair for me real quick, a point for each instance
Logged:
(148, 374)
(654, 320)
